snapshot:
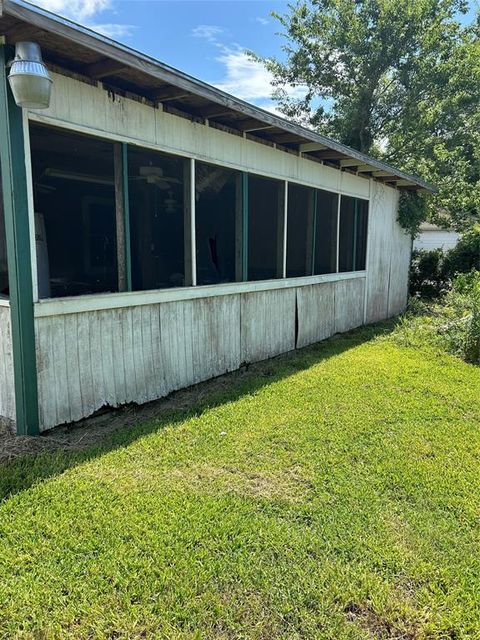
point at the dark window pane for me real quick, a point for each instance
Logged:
(265, 246)
(362, 228)
(75, 226)
(155, 182)
(353, 233)
(217, 196)
(3, 250)
(326, 233)
(300, 230)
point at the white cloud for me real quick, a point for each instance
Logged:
(84, 12)
(263, 21)
(249, 80)
(208, 32)
(112, 30)
(78, 10)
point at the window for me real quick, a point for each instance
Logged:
(353, 234)
(217, 200)
(300, 227)
(4, 291)
(265, 228)
(326, 233)
(75, 223)
(156, 196)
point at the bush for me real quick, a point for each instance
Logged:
(461, 329)
(426, 273)
(465, 256)
(451, 324)
(432, 272)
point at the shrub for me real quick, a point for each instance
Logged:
(426, 273)
(450, 324)
(465, 256)
(461, 329)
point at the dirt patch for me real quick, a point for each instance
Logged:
(97, 428)
(377, 626)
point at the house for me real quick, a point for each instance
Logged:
(432, 236)
(157, 232)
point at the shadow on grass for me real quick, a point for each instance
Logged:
(29, 469)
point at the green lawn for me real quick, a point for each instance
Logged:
(331, 493)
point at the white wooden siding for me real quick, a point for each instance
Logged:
(267, 324)
(7, 394)
(429, 239)
(389, 250)
(92, 359)
(316, 313)
(349, 304)
(136, 354)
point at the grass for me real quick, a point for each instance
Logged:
(330, 494)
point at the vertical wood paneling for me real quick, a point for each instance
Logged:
(267, 324)
(316, 313)
(7, 393)
(399, 271)
(381, 216)
(349, 304)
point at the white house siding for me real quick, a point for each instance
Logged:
(316, 313)
(91, 359)
(388, 256)
(436, 239)
(7, 393)
(113, 349)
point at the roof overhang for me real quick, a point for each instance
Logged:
(70, 48)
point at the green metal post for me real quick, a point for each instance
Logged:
(15, 203)
(245, 226)
(126, 209)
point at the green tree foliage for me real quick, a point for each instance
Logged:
(398, 79)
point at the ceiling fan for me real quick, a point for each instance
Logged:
(155, 175)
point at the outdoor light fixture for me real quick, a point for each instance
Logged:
(29, 78)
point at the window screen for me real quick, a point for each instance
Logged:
(217, 199)
(265, 242)
(156, 196)
(353, 234)
(300, 224)
(74, 197)
(326, 233)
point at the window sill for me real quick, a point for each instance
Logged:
(103, 301)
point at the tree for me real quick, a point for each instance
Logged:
(398, 79)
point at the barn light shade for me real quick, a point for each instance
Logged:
(29, 78)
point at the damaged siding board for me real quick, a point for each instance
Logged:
(7, 392)
(267, 324)
(316, 313)
(135, 354)
(349, 304)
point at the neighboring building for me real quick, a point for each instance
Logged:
(160, 232)
(433, 237)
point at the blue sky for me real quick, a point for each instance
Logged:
(205, 38)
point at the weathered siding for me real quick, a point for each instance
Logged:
(7, 394)
(135, 354)
(316, 313)
(267, 324)
(388, 259)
